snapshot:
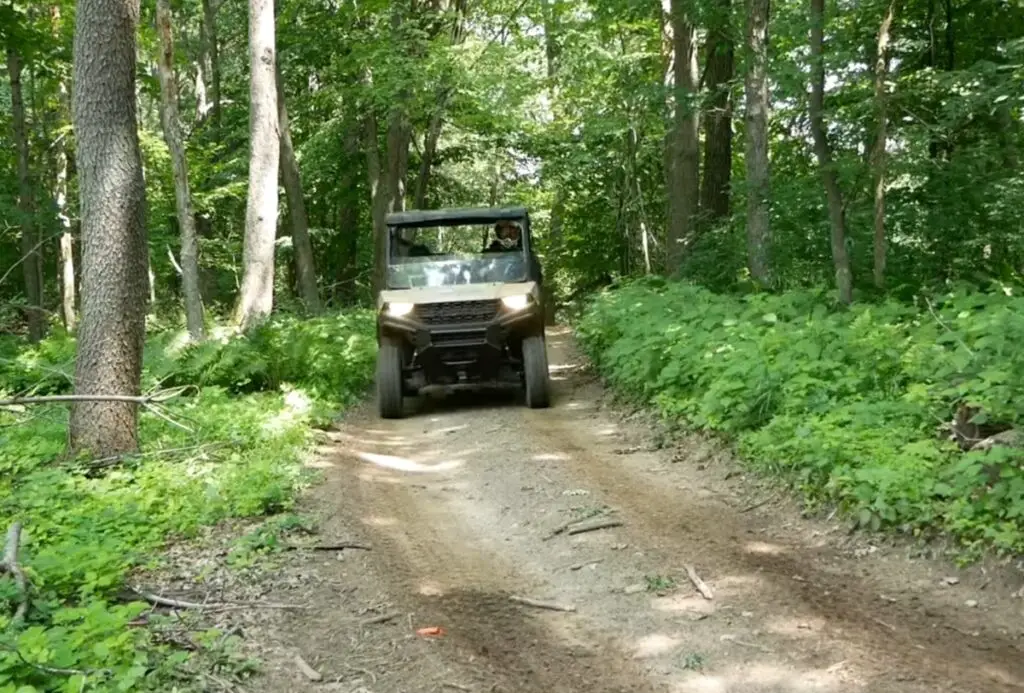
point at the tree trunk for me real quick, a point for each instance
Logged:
(834, 196)
(256, 300)
(30, 263)
(348, 220)
(756, 141)
(685, 145)
(429, 152)
(302, 246)
(378, 202)
(714, 196)
(878, 157)
(212, 51)
(114, 250)
(436, 123)
(179, 166)
(398, 160)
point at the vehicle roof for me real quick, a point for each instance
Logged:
(468, 215)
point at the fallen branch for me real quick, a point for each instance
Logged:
(550, 606)
(10, 566)
(594, 526)
(307, 671)
(382, 618)
(341, 546)
(157, 600)
(701, 586)
(732, 638)
(560, 529)
(584, 564)
(456, 686)
(758, 504)
(104, 462)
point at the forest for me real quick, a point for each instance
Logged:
(796, 225)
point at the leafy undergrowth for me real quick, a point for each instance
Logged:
(851, 407)
(89, 524)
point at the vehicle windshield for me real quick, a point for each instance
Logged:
(459, 254)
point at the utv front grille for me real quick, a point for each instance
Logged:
(457, 312)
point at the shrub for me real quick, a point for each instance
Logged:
(847, 405)
(85, 529)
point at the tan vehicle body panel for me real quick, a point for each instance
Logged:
(459, 292)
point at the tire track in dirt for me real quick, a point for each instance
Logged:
(438, 572)
(457, 499)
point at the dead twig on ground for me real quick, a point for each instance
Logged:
(594, 526)
(162, 452)
(307, 671)
(550, 606)
(760, 503)
(456, 686)
(11, 566)
(382, 618)
(340, 546)
(157, 600)
(731, 638)
(699, 584)
(584, 564)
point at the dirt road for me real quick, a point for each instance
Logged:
(459, 501)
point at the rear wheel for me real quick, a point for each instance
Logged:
(535, 372)
(389, 379)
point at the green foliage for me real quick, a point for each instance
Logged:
(849, 406)
(89, 523)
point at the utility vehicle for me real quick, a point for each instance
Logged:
(461, 305)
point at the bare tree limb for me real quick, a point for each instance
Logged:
(50, 399)
(24, 257)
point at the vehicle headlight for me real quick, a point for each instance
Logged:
(517, 302)
(400, 309)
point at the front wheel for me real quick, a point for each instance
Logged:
(389, 379)
(535, 372)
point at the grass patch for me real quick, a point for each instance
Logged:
(849, 406)
(250, 421)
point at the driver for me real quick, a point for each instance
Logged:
(507, 237)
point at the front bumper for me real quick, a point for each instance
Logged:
(492, 333)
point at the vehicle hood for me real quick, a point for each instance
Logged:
(458, 292)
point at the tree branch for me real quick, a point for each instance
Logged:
(149, 399)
